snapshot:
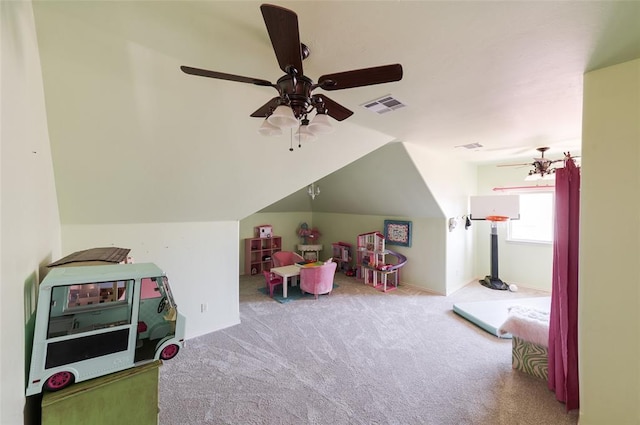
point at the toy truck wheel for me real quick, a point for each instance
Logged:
(58, 381)
(169, 352)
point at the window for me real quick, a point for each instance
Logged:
(536, 219)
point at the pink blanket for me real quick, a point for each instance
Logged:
(527, 323)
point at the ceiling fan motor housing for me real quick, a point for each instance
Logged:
(296, 92)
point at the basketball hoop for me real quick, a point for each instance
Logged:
(492, 281)
(496, 218)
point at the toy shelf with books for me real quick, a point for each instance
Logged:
(258, 253)
(341, 253)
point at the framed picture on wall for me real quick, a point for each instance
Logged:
(397, 232)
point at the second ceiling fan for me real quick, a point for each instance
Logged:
(542, 168)
(295, 99)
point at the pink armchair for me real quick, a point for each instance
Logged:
(317, 280)
(285, 258)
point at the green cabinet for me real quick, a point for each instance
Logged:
(127, 397)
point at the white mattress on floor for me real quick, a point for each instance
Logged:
(489, 315)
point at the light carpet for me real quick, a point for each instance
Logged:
(358, 356)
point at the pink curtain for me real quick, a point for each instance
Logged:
(563, 325)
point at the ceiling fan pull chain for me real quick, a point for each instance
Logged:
(291, 140)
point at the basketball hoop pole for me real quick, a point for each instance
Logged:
(493, 281)
(494, 251)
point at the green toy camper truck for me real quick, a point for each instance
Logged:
(95, 320)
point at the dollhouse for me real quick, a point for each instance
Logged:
(371, 266)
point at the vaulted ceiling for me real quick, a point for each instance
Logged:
(383, 182)
(136, 140)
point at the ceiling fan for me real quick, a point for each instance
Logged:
(541, 166)
(295, 99)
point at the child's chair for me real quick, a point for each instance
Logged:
(318, 280)
(286, 258)
(272, 281)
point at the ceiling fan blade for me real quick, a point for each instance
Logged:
(264, 110)
(334, 109)
(282, 25)
(514, 165)
(222, 76)
(361, 77)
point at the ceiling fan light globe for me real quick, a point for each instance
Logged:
(532, 177)
(283, 117)
(320, 124)
(268, 129)
(304, 135)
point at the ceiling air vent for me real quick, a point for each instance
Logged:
(384, 104)
(470, 146)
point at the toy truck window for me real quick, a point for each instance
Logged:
(149, 289)
(88, 294)
(164, 286)
(89, 306)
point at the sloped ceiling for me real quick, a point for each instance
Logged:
(136, 140)
(384, 182)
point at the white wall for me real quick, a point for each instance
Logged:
(609, 294)
(428, 258)
(30, 229)
(451, 182)
(200, 259)
(460, 255)
(525, 264)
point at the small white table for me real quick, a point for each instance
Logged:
(285, 272)
(304, 249)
